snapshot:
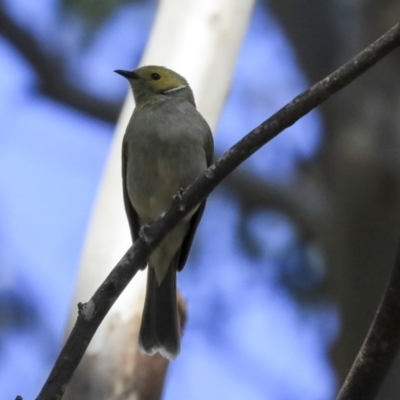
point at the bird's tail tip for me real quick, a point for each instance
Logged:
(168, 352)
(160, 329)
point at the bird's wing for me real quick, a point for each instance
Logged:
(131, 213)
(187, 242)
(209, 147)
(194, 223)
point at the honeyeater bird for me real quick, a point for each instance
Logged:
(167, 145)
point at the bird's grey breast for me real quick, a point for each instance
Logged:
(165, 145)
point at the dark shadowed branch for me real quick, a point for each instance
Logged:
(380, 347)
(92, 313)
(52, 79)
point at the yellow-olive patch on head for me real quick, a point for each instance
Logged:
(160, 79)
(153, 83)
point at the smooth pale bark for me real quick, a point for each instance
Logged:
(200, 39)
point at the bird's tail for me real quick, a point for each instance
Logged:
(160, 329)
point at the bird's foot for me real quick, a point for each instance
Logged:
(144, 233)
(178, 196)
(177, 199)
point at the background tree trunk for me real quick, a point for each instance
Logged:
(359, 162)
(200, 39)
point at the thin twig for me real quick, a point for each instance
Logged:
(380, 347)
(93, 312)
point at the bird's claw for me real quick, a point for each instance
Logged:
(179, 194)
(177, 199)
(144, 232)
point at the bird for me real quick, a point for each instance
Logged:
(166, 146)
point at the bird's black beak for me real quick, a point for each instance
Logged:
(126, 74)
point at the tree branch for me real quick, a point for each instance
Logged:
(135, 375)
(51, 75)
(92, 313)
(380, 347)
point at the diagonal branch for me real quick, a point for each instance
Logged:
(380, 347)
(92, 313)
(51, 75)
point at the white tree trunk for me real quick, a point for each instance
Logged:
(200, 39)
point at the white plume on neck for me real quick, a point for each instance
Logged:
(176, 89)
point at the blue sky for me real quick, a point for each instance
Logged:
(246, 337)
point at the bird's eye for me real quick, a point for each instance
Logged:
(155, 76)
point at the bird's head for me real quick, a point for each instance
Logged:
(153, 81)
